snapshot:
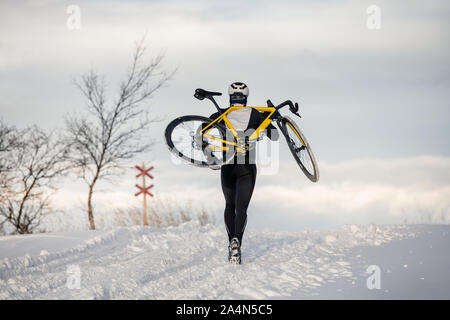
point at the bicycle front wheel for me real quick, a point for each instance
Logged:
(185, 139)
(300, 148)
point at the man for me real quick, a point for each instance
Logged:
(238, 177)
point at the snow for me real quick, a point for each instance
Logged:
(414, 268)
(189, 262)
(41, 244)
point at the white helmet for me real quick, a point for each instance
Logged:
(238, 92)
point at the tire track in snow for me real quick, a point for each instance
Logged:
(189, 262)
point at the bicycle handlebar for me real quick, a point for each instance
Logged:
(201, 94)
(293, 107)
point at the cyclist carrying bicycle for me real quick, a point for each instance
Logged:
(239, 175)
(207, 143)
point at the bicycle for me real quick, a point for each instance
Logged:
(205, 142)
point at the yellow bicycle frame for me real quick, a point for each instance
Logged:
(238, 144)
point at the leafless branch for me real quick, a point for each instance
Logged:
(110, 133)
(39, 159)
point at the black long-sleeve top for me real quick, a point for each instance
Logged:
(253, 122)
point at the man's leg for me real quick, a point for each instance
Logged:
(229, 191)
(245, 184)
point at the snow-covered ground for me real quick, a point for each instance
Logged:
(189, 262)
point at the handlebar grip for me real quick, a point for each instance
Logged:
(292, 107)
(281, 105)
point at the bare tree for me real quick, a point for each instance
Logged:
(7, 137)
(111, 132)
(8, 141)
(38, 160)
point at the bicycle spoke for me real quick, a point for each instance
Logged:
(188, 143)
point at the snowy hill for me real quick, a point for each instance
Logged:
(189, 262)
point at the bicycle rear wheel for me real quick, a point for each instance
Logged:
(185, 139)
(300, 148)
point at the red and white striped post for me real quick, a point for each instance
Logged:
(144, 189)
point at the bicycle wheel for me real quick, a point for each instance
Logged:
(300, 148)
(185, 140)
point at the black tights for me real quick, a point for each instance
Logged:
(238, 181)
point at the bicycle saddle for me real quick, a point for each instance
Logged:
(201, 94)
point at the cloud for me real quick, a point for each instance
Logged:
(215, 29)
(415, 190)
(373, 102)
(403, 190)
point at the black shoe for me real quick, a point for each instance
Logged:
(234, 251)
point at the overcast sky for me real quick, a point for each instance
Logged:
(375, 103)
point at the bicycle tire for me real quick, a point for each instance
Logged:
(298, 143)
(191, 154)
